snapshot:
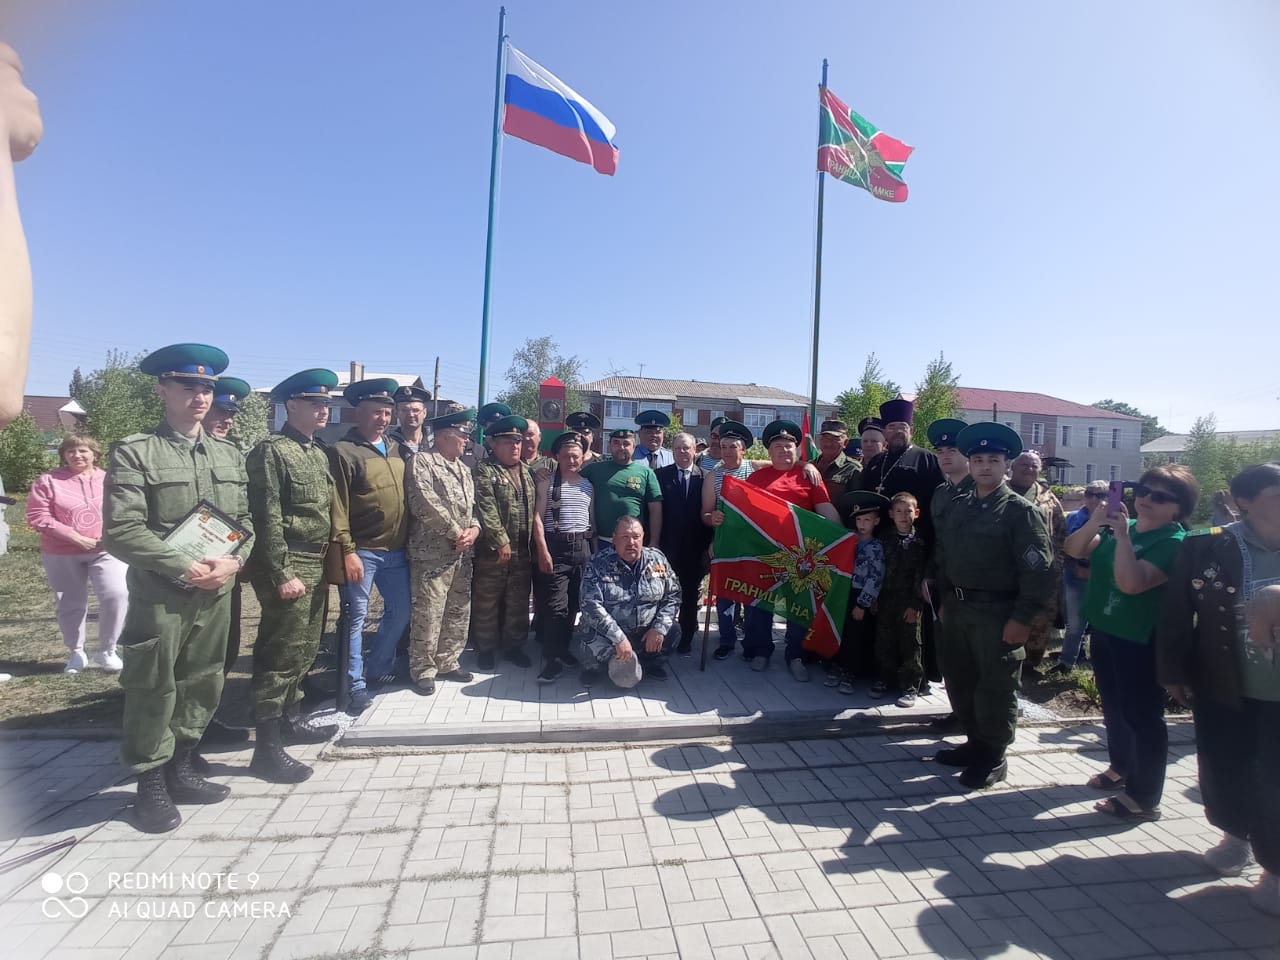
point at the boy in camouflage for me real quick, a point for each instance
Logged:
(861, 510)
(901, 604)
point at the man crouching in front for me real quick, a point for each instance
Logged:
(630, 602)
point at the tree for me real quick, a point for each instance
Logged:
(1215, 460)
(936, 393)
(24, 453)
(864, 399)
(533, 363)
(118, 399)
(1151, 429)
(251, 424)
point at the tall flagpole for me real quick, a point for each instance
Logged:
(495, 168)
(817, 273)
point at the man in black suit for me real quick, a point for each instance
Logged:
(684, 538)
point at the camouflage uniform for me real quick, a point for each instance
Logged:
(898, 642)
(441, 502)
(290, 496)
(841, 474)
(174, 640)
(623, 601)
(1055, 521)
(504, 501)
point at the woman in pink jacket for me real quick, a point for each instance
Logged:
(65, 507)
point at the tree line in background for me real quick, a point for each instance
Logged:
(1216, 459)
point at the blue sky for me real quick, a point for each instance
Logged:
(1092, 213)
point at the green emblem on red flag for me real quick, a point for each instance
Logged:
(852, 149)
(784, 558)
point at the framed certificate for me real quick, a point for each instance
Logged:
(207, 533)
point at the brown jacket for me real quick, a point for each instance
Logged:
(1196, 636)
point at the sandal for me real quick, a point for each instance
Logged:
(1117, 808)
(1101, 781)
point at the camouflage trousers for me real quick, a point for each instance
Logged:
(173, 645)
(898, 648)
(441, 613)
(1042, 630)
(500, 603)
(288, 637)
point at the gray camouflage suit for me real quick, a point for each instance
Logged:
(624, 601)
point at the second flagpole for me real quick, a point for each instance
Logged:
(495, 168)
(817, 273)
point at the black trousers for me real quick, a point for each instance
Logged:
(556, 594)
(689, 572)
(1133, 712)
(1238, 751)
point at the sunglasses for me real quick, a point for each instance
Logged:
(1156, 496)
(1095, 496)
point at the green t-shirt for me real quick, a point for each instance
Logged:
(1129, 616)
(620, 491)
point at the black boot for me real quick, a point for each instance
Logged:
(961, 756)
(185, 783)
(199, 764)
(986, 771)
(153, 810)
(293, 729)
(270, 762)
(217, 732)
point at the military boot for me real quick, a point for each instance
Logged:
(988, 768)
(185, 783)
(219, 733)
(270, 762)
(294, 729)
(153, 810)
(961, 756)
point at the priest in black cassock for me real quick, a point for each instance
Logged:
(905, 467)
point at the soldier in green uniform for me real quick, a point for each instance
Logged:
(839, 471)
(955, 482)
(505, 497)
(174, 639)
(995, 563)
(290, 497)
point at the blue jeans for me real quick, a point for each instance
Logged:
(389, 571)
(1073, 599)
(724, 619)
(757, 639)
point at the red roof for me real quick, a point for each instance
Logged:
(1016, 401)
(44, 410)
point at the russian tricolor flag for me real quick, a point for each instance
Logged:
(541, 108)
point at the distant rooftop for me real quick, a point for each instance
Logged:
(1017, 401)
(1177, 442)
(654, 388)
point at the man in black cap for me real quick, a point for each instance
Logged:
(651, 426)
(411, 413)
(871, 433)
(586, 425)
(370, 526)
(708, 458)
(174, 640)
(839, 472)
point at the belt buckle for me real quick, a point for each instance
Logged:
(959, 592)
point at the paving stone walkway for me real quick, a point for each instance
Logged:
(853, 847)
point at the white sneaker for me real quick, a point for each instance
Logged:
(76, 662)
(1229, 857)
(799, 670)
(108, 660)
(1266, 895)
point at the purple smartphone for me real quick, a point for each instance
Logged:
(1115, 497)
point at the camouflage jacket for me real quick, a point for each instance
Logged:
(868, 572)
(840, 475)
(1055, 519)
(155, 479)
(441, 505)
(504, 506)
(904, 570)
(622, 601)
(290, 496)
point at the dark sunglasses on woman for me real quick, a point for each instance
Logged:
(1157, 496)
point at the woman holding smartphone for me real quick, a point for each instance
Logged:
(1129, 564)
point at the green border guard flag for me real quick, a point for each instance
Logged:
(853, 150)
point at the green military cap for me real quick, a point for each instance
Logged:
(835, 427)
(510, 426)
(185, 361)
(461, 419)
(781, 430)
(313, 384)
(854, 447)
(861, 501)
(375, 389)
(229, 391)
(988, 437)
(652, 418)
(582, 420)
(411, 393)
(943, 433)
(718, 421)
(491, 412)
(622, 433)
(731, 429)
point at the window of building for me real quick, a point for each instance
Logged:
(1037, 433)
(1090, 473)
(716, 413)
(1092, 440)
(621, 409)
(1066, 435)
(1115, 439)
(757, 418)
(689, 416)
(1115, 472)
